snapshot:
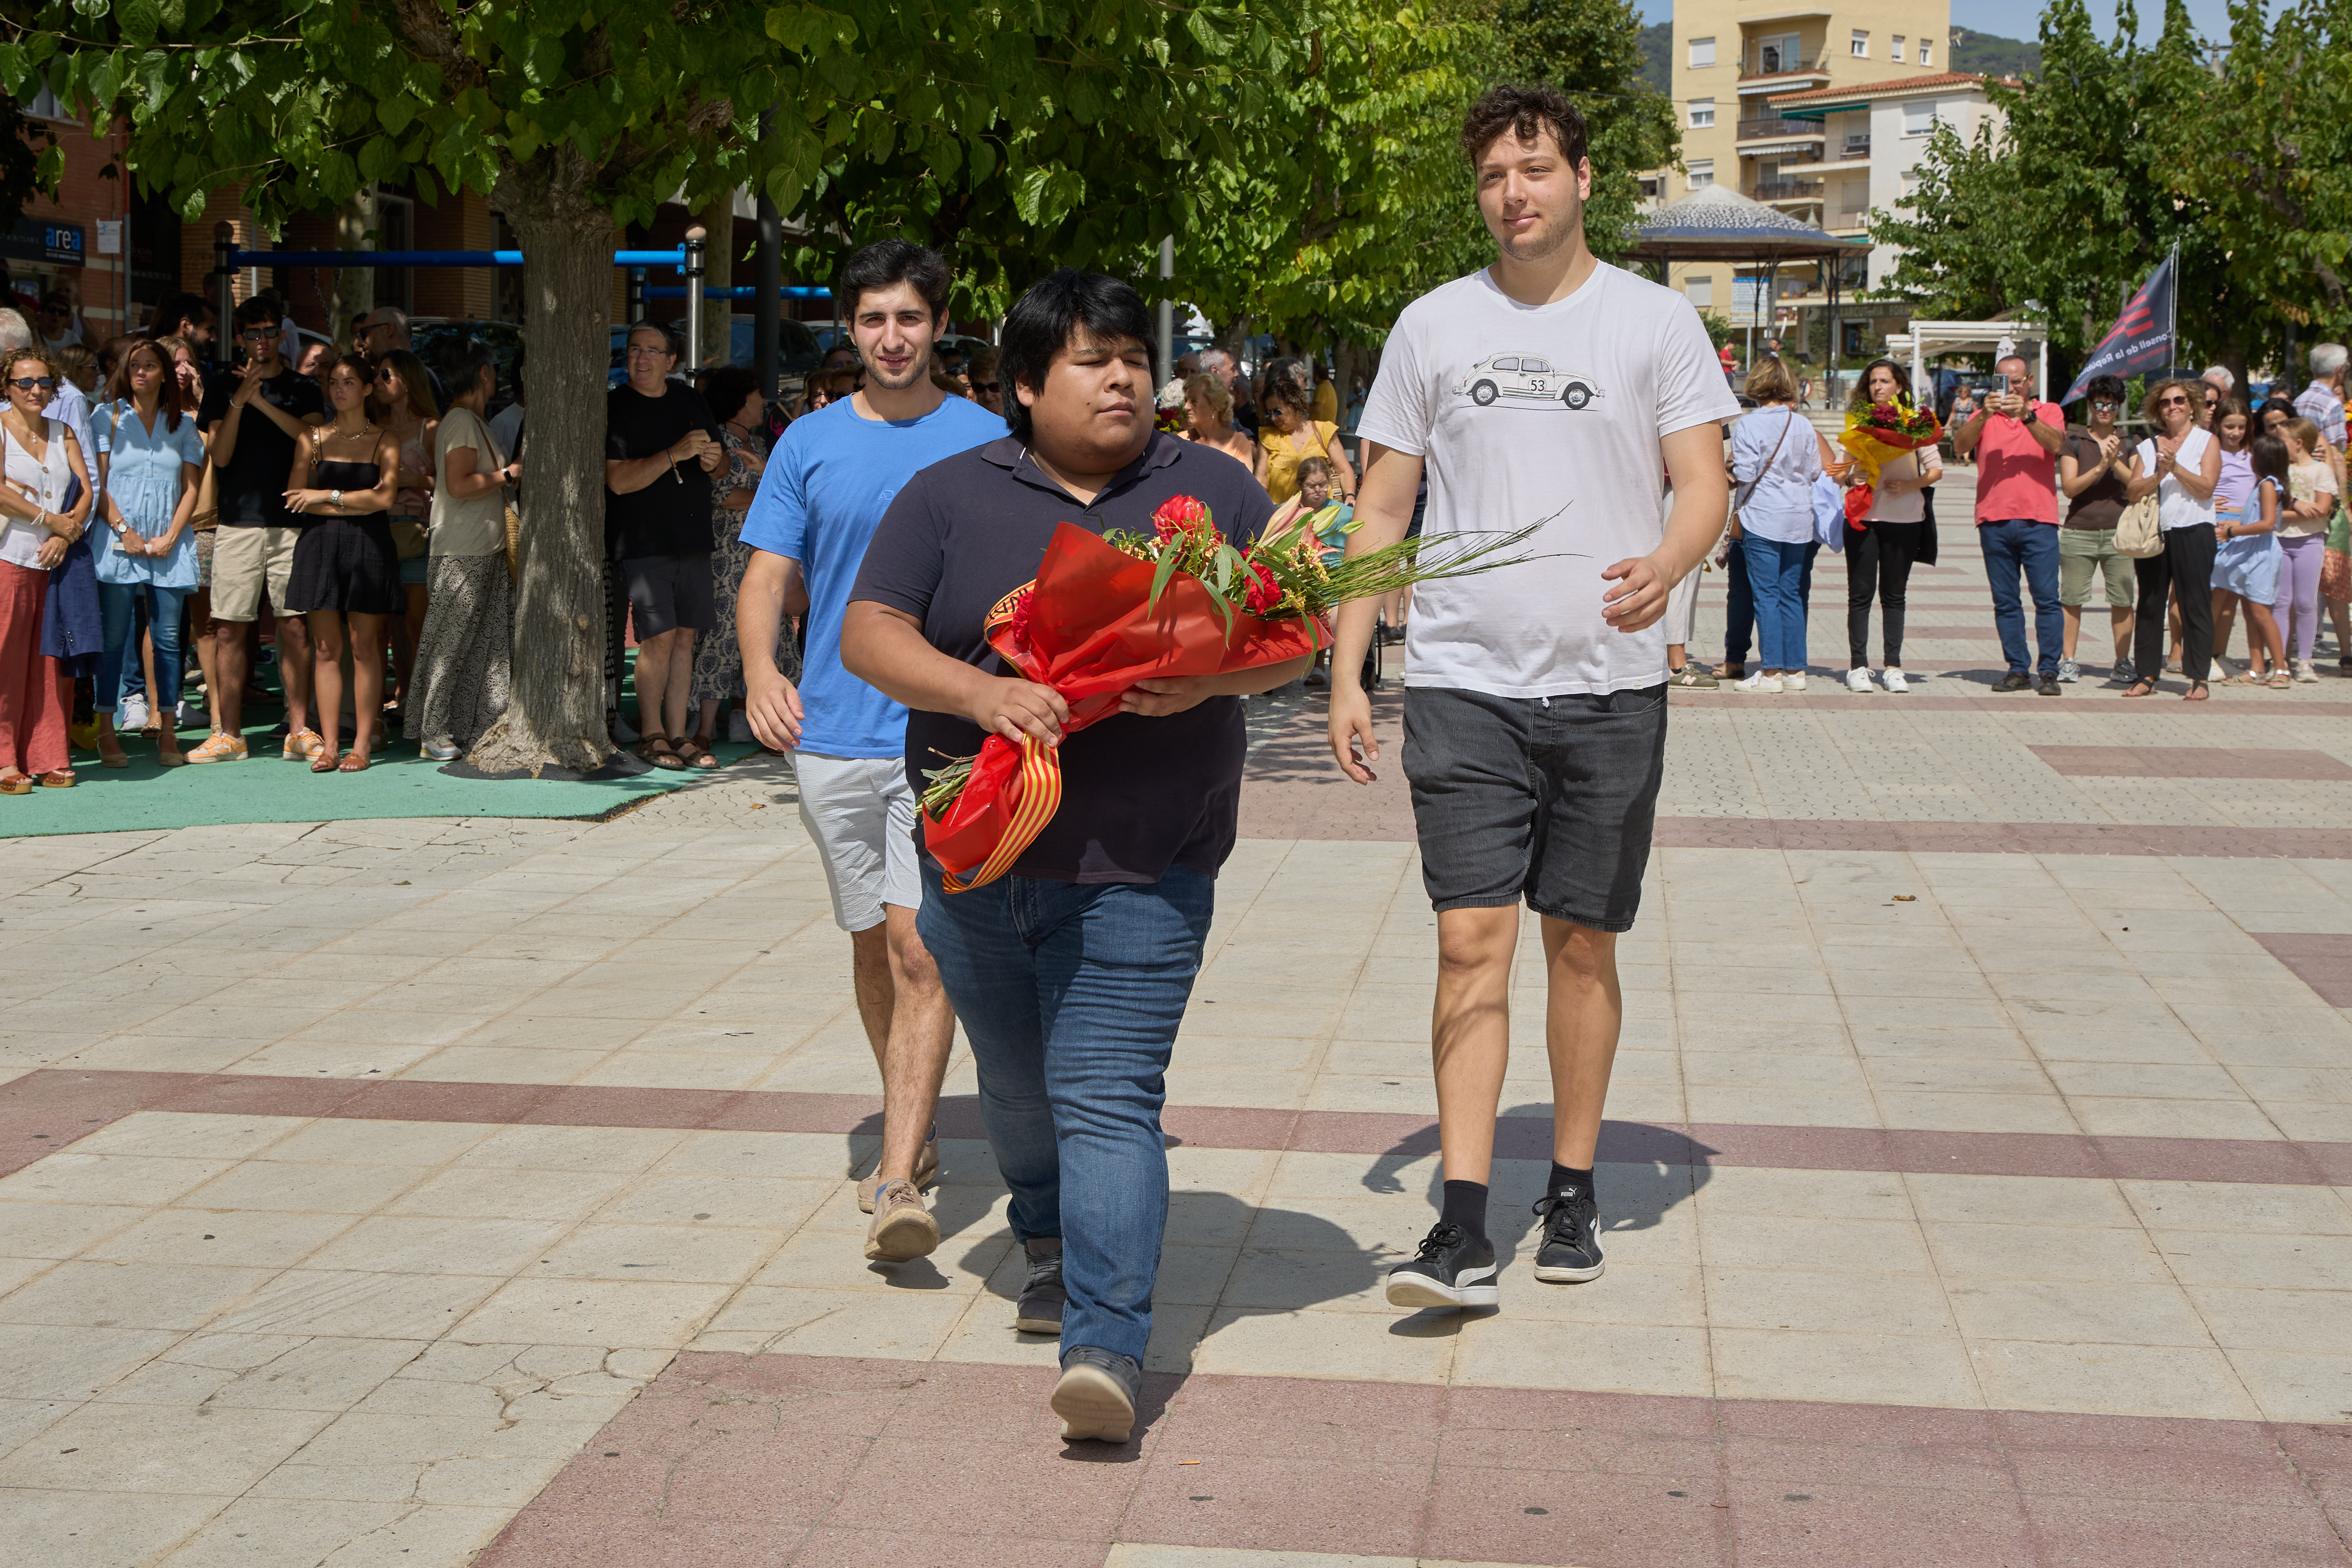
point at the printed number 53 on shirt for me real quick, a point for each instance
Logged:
(1524, 378)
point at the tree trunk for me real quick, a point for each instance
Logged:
(719, 272)
(556, 718)
(354, 293)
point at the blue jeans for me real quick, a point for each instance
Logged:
(1071, 994)
(117, 666)
(2031, 548)
(1778, 582)
(1740, 603)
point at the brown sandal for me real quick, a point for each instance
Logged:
(17, 783)
(355, 761)
(695, 752)
(324, 759)
(655, 749)
(59, 778)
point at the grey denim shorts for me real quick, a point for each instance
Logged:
(1549, 800)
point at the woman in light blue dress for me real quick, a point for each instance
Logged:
(149, 460)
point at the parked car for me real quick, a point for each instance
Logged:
(1525, 378)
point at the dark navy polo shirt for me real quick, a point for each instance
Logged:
(1139, 794)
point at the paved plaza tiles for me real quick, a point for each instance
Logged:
(429, 1192)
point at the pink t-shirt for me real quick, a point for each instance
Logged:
(2017, 476)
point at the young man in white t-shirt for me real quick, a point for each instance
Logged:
(1545, 387)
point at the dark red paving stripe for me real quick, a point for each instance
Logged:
(2190, 762)
(46, 1109)
(2004, 837)
(747, 1459)
(2323, 962)
(2166, 703)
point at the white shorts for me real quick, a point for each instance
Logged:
(861, 813)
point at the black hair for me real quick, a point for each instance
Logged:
(462, 367)
(1290, 382)
(1860, 400)
(889, 261)
(725, 387)
(261, 310)
(178, 310)
(2283, 404)
(2110, 387)
(1044, 321)
(2268, 454)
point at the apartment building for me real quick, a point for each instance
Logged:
(1733, 60)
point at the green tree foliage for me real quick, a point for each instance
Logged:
(1657, 57)
(2116, 154)
(1365, 200)
(580, 118)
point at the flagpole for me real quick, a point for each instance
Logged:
(2172, 326)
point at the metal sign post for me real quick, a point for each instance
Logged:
(696, 239)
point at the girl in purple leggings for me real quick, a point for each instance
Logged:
(2302, 536)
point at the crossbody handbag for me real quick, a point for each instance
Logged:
(1761, 473)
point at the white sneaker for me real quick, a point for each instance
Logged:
(1759, 682)
(1895, 681)
(131, 715)
(1858, 683)
(2304, 672)
(1794, 681)
(738, 729)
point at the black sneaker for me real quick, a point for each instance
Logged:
(2015, 680)
(2049, 687)
(1041, 1296)
(1454, 1268)
(1571, 1252)
(1097, 1395)
(2124, 672)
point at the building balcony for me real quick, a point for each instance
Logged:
(1857, 147)
(1785, 190)
(1776, 129)
(1793, 77)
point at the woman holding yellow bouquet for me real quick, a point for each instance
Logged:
(1884, 542)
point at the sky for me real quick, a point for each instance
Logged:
(2023, 18)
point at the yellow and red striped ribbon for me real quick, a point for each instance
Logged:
(1041, 796)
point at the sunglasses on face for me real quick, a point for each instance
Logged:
(2104, 403)
(991, 387)
(258, 334)
(2172, 402)
(27, 383)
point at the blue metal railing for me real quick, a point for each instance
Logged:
(431, 257)
(669, 292)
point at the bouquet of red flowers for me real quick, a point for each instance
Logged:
(1105, 613)
(1878, 435)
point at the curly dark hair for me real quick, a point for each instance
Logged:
(1525, 112)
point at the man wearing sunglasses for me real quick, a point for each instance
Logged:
(256, 416)
(986, 389)
(2015, 441)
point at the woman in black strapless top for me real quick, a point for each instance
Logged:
(345, 564)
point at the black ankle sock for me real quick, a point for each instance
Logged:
(1563, 1178)
(1466, 1206)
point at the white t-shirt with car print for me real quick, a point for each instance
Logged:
(1550, 412)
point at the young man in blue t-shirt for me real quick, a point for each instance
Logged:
(829, 482)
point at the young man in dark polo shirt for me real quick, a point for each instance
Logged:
(1071, 972)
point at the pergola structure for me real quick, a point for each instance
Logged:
(1718, 224)
(1919, 347)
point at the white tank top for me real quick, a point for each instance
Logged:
(2175, 507)
(21, 541)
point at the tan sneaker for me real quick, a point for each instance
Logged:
(902, 1227)
(220, 747)
(927, 1174)
(303, 746)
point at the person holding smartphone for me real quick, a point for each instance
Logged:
(2016, 440)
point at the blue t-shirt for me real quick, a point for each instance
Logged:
(829, 482)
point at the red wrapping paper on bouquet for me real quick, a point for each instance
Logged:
(1876, 436)
(1086, 627)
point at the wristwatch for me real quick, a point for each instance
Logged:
(335, 499)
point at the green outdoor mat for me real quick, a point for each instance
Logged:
(266, 788)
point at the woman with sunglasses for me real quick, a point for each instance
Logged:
(149, 464)
(342, 486)
(2180, 464)
(40, 461)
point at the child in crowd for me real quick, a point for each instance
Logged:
(2303, 538)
